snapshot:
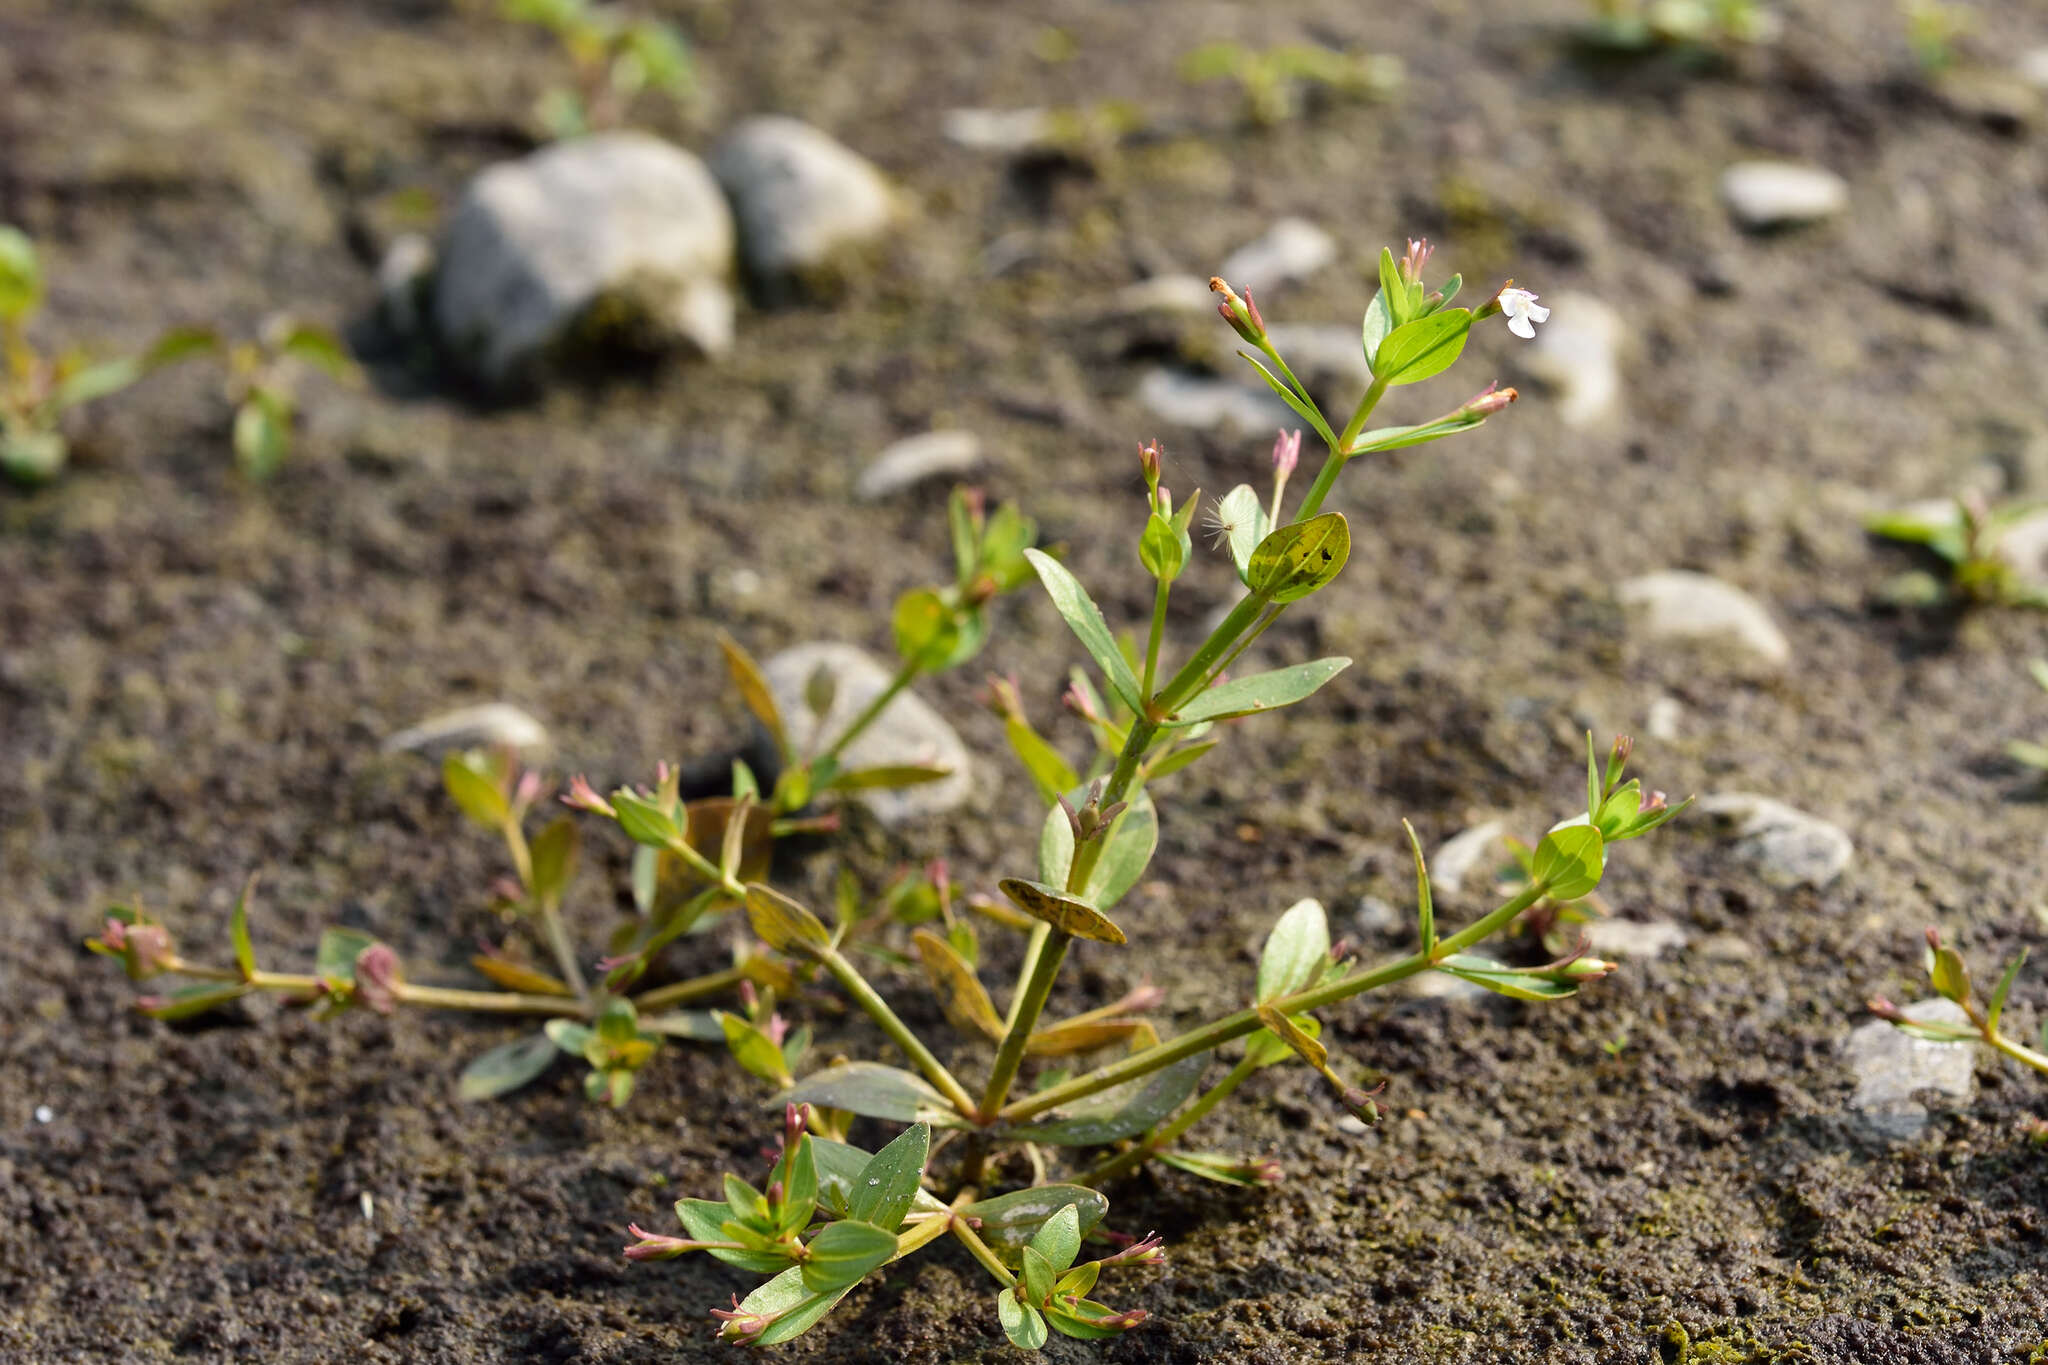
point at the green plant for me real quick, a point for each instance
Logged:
(615, 56)
(1933, 28)
(1699, 25)
(1965, 533)
(1148, 719)
(2025, 751)
(689, 858)
(1951, 980)
(36, 390)
(263, 387)
(1273, 84)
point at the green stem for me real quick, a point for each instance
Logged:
(406, 992)
(1045, 967)
(1333, 463)
(1120, 780)
(2018, 1052)
(865, 996)
(1187, 682)
(1242, 645)
(696, 988)
(1158, 630)
(980, 1251)
(1125, 1162)
(564, 951)
(1243, 1022)
(903, 679)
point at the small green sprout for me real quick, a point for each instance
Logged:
(1968, 536)
(1951, 980)
(1276, 85)
(1933, 28)
(37, 390)
(262, 385)
(616, 57)
(1697, 26)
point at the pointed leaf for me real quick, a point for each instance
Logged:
(1009, 1221)
(1050, 772)
(1119, 1112)
(1379, 321)
(238, 931)
(1260, 692)
(1303, 409)
(1996, 1008)
(507, 1067)
(189, 1001)
(1084, 618)
(888, 1184)
(1038, 1274)
(472, 783)
(843, 1253)
(887, 777)
(782, 923)
(1181, 758)
(1298, 1039)
(1082, 1035)
(1418, 350)
(1296, 951)
(1504, 980)
(1225, 1170)
(1425, 901)
(960, 992)
(872, 1090)
(1066, 913)
(754, 691)
(554, 860)
(517, 977)
(1059, 1241)
(1300, 558)
(794, 1308)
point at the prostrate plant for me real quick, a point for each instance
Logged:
(616, 56)
(1274, 84)
(1951, 979)
(693, 864)
(36, 390)
(1965, 534)
(2026, 751)
(1707, 26)
(1150, 718)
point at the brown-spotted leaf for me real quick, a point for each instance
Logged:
(961, 994)
(1060, 910)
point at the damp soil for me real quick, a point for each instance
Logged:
(195, 675)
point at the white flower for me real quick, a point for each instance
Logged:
(1523, 312)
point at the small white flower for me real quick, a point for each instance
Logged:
(1523, 312)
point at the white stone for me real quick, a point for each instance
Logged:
(621, 217)
(1784, 846)
(490, 725)
(2024, 547)
(908, 731)
(1891, 1066)
(403, 277)
(1375, 915)
(1665, 719)
(2033, 66)
(1577, 353)
(1768, 194)
(935, 454)
(1202, 401)
(997, 130)
(1291, 249)
(1680, 605)
(798, 195)
(1318, 351)
(1164, 294)
(45, 1114)
(1477, 849)
(1630, 938)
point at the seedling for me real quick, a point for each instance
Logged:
(1275, 85)
(616, 56)
(37, 390)
(262, 385)
(2025, 751)
(1951, 979)
(1968, 536)
(1708, 26)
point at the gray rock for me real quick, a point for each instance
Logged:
(1665, 720)
(1291, 249)
(488, 725)
(1679, 605)
(1203, 401)
(1164, 294)
(1629, 938)
(1891, 1067)
(2033, 67)
(1476, 850)
(933, 455)
(1577, 353)
(1318, 352)
(1783, 846)
(908, 731)
(404, 279)
(1376, 916)
(800, 198)
(1004, 131)
(619, 226)
(1771, 194)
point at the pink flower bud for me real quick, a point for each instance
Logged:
(1148, 1250)
(378, 978)
(739, 1325)
(528, 790)
(582, 796)
(1287, 452)
(1150, 456)
(1234, 312)
(655, 1247)
(1489, 401)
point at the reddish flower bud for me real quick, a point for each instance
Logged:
(655, 1247)
(583, 796)
(378, 978)
(1489, 401)
(1287, 452)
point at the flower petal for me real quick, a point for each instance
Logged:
(1522, 328)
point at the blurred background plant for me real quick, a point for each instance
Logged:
(1281, 83)
(1714, 26)
(616, 55)
(1969, 536)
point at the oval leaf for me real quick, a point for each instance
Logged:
(1010, 1221)
(888, 1184)
(782, 923)
(1417, 350)
(1121, 1111)
(505, 1068)
(1296, 951)
(1061, 911)
(960, 992)
(1571, 860)
(869, 1089)
(1299, 559)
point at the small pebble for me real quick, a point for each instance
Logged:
(1291, 249)
(1773, 194)
(1891, 1067)
(1783, 846)
(1205, 402)
(493, 724)
(1680, 605)
(45, 1114)
(1475, 851)
(913, 460)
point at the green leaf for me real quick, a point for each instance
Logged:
(1300, 559)
(1260, 692)
(1181, 758)
(1121, 1111)
(752, 1049)
(1942, 529)
(1299, 1040)
(189, 1001)
(843, 1253)
(1267, 1048)
(554, 860)
(1950, 975)
(1059, 1240)
(335, 961)
(794, 1308)
(1504, 980)
(32, 457)
(263, 434)
(887, 777)
(319, 347)
(1994, 1010)
(1132, 839)
(1038, 1274)
(507, 1067)
(1421, 349)
(1162, 549)
(1303, 409)
(179, 343)
(1400, 438)
(1571, 859)
(1069, 914)
(1379, 321)
(1079, 1280)
(96, 381)
(1050, 772)
(872, 1090)
(889, 1183)
(929, 632)
(699, 1026)
(238, 931)
(1084, 618)
(1084, 1320)
(960, 993)
(754, 691)
(1393, 288)
(1243, 519)
(21, 274)
(1023, 1324)
(1425, 900)
(1009, 1221)
(1296, 951)
(472, 783)
(782, 923)
(1225, 1170)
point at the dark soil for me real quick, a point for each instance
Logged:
(194, 675)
